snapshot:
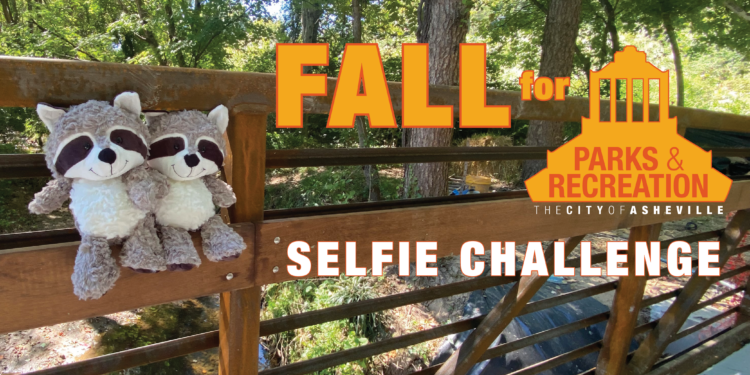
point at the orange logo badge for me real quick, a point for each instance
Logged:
(629, 161)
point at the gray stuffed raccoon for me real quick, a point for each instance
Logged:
(189, 149)
(97, 153)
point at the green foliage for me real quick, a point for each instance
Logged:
(718, 26)
(323, 186)
(293, 297)
(354, 289)
(21, 131)
(164, 32)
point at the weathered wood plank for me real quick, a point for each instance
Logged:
(240, 309)
(465, 357)
(136, 357)
(28, 81)
(625, 308)
(34, 165)
(451, 226)
(186, 345)
(709, 353)
(40, 277)
(651, 348)
(35, 286)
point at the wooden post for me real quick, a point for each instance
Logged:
(239, 323)
(465, 357)
(625, 308)
(660, 336)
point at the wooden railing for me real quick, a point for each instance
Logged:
(35, 267)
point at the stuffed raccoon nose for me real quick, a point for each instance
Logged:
(107, 156)
(192, 160)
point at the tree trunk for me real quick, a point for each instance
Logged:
(172, 32)
(356, 21)
(14, 15)
(558, 49)
(443, 24)
(672, 36)
(736, 8)
(611, 27)
(6, 11)
(148, 36)
(311, 13)
(372, 178)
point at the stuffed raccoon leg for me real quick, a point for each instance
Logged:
(181, 253)
(95, 270)
(142, 251)
(220, 242)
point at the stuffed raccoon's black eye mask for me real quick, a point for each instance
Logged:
(166, 147)
(211, 151)
(129, 141)
(73, 152)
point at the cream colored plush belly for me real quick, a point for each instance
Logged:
(103, 208)
(188, 205)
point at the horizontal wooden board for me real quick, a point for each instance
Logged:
(39, 278)
(28, 81)
(35, 286)
(451, 226)
(34, 165)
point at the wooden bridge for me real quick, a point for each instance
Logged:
(35, 268)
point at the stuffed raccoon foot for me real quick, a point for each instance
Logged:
(181, 253)
(95, 270)
(220, 242)
(142, 251)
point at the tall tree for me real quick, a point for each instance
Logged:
(610, 24)
(558, 49)
(312, 10)
(666, 17)
(372, 178)
(443, 24)
(7, 11)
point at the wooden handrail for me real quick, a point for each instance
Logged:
(517, 220)
(34, 165)
(187, 345)
(137, 357)
(330, 360)
(49, 290)
(58, 236)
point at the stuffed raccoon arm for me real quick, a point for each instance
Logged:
(222, 193)
(51, 197)
(146, 187)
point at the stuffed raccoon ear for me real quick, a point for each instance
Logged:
(219, 116)
(49, 115)
(130, 102)
(153, 118)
